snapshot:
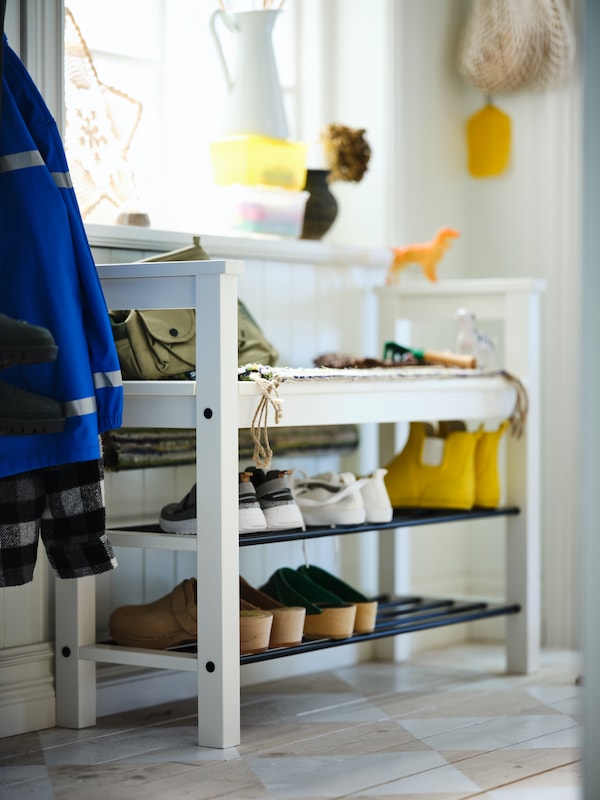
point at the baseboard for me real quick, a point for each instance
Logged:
(27, 696)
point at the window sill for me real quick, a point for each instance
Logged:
(260, 249)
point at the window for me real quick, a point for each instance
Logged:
(144, 95)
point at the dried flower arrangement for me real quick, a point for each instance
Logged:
(347, 152)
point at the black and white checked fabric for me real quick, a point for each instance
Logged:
(64, 505)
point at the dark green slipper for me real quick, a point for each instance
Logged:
(24, 413)
(22, 343)
(327, 617)
(366, 610)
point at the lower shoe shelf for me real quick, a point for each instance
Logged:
(402, 615)
(395, 616)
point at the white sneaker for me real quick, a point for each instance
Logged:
(331, 499)
(274, 494)
(251, 516)
(376, 499)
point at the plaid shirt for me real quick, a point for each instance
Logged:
(65, 505)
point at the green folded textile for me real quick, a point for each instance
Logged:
(138, 448)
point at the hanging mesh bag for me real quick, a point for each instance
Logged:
(515, 44)
(558, 44)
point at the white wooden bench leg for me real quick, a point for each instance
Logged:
(523, 544)
(217, 504)
(75, 626)
(523, 572)
(394, 579)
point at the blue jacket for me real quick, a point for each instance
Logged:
(48, 277)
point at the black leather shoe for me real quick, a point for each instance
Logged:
(24, 413)
(22, 343)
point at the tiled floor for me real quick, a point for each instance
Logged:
(448, 725)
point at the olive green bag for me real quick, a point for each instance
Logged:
(155, 344)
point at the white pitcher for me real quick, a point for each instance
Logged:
(255, 103)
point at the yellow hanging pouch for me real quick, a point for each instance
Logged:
(488, 142)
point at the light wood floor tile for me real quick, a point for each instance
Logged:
(502, 767)
(381, 730)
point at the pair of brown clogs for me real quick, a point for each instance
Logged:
(172, 620)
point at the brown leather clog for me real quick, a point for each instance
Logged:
(171, 620)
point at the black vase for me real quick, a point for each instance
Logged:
(321, 206)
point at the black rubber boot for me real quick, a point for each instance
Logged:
(24, 413)
(22, 343)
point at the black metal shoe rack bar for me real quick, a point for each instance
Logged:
(395, 616)
(406, 518)
(401, 519)
(401, 615)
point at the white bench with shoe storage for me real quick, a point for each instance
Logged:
(217, 405)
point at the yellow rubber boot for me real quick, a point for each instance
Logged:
(487, 476)
(450, 484)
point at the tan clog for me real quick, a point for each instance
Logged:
(366, 609)
(288, 621)
(255, 629)
(171, 620)
(327, 617)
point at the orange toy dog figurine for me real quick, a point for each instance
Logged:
(426, 254)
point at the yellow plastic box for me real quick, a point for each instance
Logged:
(259, 161)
